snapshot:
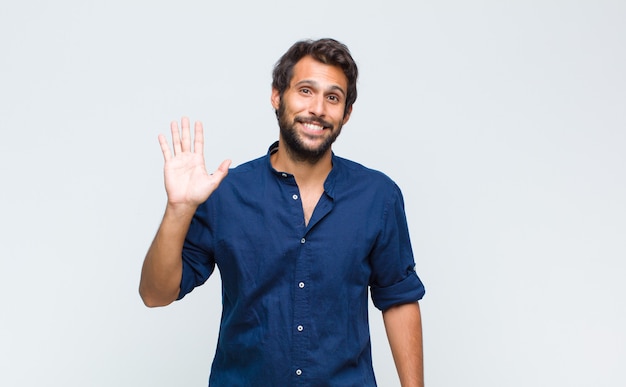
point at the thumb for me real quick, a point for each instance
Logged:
(222, 170)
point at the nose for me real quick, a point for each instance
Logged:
(317, 105)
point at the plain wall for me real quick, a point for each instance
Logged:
(504, 123)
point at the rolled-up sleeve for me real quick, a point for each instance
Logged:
(408, 290)
(394, 280)
(198, 257)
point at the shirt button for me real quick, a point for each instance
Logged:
(300, 328)
(284, 174)
(301, 285)
(295, 197)
(298, 372)
(302, 240)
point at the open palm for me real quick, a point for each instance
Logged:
(187, 181)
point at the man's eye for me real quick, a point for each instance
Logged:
(305, 91)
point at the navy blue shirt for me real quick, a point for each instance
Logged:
(295, 296)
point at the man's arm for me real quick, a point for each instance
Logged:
(187, 184)
(403, 324)
(163, 266)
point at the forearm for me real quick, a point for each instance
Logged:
(403, 324)
(162, 268)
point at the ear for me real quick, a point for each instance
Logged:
(346, 116)
(275, 98)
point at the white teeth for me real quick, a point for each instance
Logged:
(313, 126)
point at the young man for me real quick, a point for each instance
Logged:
(298, 236)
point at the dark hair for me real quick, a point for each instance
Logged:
(327, 51)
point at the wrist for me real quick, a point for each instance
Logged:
(180, 210)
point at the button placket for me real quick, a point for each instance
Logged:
(302, 313)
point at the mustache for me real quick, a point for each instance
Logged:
(313, 120)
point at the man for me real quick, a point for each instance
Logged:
(298, 236)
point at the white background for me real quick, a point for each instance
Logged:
(504, 122)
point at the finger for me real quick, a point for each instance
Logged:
(165, 148)
(186, 140)
(222, 170)
(175, 137)
(198, 138)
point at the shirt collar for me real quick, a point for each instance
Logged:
(329, 184)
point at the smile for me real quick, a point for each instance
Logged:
(312, 126)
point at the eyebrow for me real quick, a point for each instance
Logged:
(316, 84)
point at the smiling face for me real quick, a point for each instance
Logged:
(311, 111)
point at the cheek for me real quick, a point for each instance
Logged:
(338, 115)
(296, 105)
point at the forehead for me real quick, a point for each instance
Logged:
(311, 69)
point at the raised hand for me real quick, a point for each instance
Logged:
(187, 181)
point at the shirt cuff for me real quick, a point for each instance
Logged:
(410, 289)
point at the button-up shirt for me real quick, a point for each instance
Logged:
(295, 295)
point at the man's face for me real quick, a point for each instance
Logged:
(311, 111)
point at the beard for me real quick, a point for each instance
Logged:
(293, 142)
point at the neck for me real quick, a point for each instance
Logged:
(305, 172)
